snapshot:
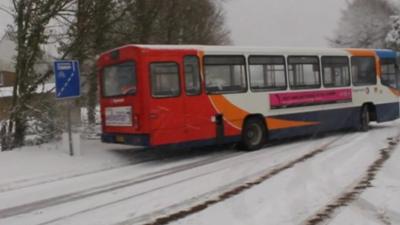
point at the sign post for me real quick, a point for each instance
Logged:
(67, 79)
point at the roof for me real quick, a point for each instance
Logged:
(8, 91)
(210, 49)
(384, 54)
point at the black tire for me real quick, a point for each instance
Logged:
(253, 135)
(364, 119)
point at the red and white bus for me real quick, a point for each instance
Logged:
(203, 95)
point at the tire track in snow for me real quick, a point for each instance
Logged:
(144, 218)
(324, 215)
(149, 157)
(45, 203)
(222, 195)
(194, 200)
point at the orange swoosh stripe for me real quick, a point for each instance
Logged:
(275, 124)
(235, 115)
(395, 91)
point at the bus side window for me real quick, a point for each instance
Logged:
(389, 77)
(164, 79)
(225, 74)
(336, 71)
(363, 70)
(304, 72)
(192, 75)
(267, 73)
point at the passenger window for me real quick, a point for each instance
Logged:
(388, 68)
(364, 71)
(164, 80)
(192, 75)
(336, 71)
(267, 73)
(225, 74)
(304, 72)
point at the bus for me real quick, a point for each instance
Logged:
(165, 95)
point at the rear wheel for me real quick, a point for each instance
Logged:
(364, 119)
(253, 135)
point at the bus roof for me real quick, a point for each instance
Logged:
(213, 49)
(246, 49)
(384, 53)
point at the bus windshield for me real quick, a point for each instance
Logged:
(119, 80)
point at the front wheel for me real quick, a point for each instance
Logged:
(364, 119)
(253, 135)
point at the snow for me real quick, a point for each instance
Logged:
(115, 184)
(37, 164)
(380, 204)
(300, 192)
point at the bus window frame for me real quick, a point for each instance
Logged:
(375, 72)
(122, 95)
(200, 92)
(392, 61)
(245, 90)
(179, 80)
(318, 86)
(348, 70)
(285, 70)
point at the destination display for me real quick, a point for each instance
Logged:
(118, 116)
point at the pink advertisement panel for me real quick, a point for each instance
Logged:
(282, 100)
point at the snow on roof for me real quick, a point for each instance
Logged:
(8, 91)
(8, 54)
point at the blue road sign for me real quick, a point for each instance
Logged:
(67, 79)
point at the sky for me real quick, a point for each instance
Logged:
(297, 23)
(290, 23)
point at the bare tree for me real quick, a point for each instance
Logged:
(174, 22)
(89, 32)
(393, 37)
(192, 22)
(364, 24)
(30, 30)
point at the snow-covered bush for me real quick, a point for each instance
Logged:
(90, 131)
(5, 137)
(44, 124)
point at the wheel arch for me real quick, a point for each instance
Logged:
(256, 116)
(371, 109)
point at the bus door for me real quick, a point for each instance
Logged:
(166, 113)
(198, 111)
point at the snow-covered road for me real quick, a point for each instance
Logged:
(284, 183)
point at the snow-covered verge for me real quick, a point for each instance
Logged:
(46, 186)
(33, 164)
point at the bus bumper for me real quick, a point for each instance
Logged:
(128, 139)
